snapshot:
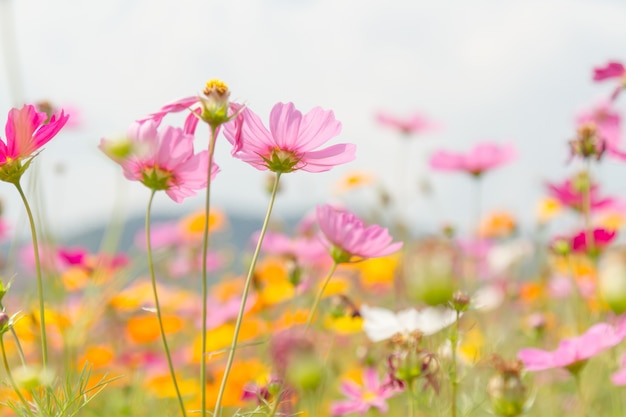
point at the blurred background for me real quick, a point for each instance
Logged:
(502, 71)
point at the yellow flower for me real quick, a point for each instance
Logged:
(612, 221)
(344, 324)
(547, 209)
(497, 224)
(378, 272)
(353, 180)
(192, 226)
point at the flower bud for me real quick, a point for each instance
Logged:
(4, 322)
(430, 276)
(306, 373)
(215, 103)
(506, 391)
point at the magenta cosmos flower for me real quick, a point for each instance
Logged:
(292, 141)
(482, 157)
(573, 353)
(606, 122)
(372, 394)
(601, 239)
(416, 123)
(26, 131)
(348, 236)
(611, 70)
(161, 159)
(569, 195)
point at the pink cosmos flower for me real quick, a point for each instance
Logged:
(607, 124)
(601, 238)
(619, 377)
(162, 159)
(348, 236)
(416, 123)
(612, 69)
(292, 141)
(482, 157)
(573, 353)
(304, 250)
(373, 394)
(568, 195)
(26, 131)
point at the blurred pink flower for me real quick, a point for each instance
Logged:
(573, 353)
(480, 158)
(606, 121)
(611, 69)
(161, 159)
(416, 123)
(348, 236)
(568, 195)
(619, 377)
(601, 238)
(304, 250)
(26, 131)
(373, 394)
(292, 141)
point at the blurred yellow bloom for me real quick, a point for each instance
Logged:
(497, 224)
(378, 272)
(276, 292)
(97, 356)
(612, 221)
(344, 324)
(221, 337)
(291, 318)
(241, 374)
(192, 226)
(75, 278)
(145, 329)
(471, 346)
(338, 284)
(547, 209)
(352, 180)
(271, 270)
(163, 386)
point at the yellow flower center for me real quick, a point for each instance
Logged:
(215, 86)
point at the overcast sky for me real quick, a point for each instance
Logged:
(485, 69)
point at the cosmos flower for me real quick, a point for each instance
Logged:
(603, 123)
(573, 353)
(611, 70)
(601, 238)
(347, 236)
(292, 141)
(568, 194)
(416, 123)
(26, 132)
(381, 324)
(482, 157)
(161, 158)
(372, 394)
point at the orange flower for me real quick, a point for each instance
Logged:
(497, 224)
(353, 180)
(192, 226)
(145, 329)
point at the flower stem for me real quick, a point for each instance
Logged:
(7, 369)
(318, 297)
(205, 287)
(586, 211)
(454, 337)
(157, 306)
(33, 232)
(231, 354)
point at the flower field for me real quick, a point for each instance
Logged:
(349, 313)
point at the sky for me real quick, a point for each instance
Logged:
(485, 70)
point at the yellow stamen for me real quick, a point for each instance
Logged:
(217, 86)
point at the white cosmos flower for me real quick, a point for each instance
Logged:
(380, 323)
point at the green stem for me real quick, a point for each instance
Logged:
(586, 209)
(157, 306)
(11, 380)
(318, 297)
(205, 285)
(231, 355)
(33, 232)
(454, 337)
(581, 395)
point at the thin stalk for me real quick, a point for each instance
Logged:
(7, 369)
(454, 337)
(20, 351)
(158, 306)
(233, 347)
(586, 211)
(205, 284)
(33, 232)
(318, 297)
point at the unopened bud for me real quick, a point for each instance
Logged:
(4, 322)
(506, 391)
